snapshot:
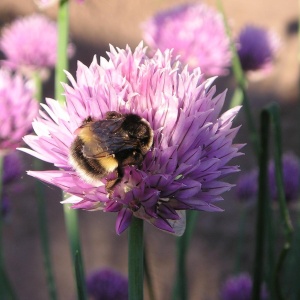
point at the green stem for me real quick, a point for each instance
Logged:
(6, 290)
(261, 207)
(284, 213)
(242, 85)
(180, 289)
(237, 98)
(148, 275)
(135, 259)
(62, 55)
(42, 215)
(44, 236)
(71, 221)
(71, 218)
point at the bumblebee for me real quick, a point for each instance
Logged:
(104, 146)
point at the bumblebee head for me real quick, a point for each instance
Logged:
(140, 129)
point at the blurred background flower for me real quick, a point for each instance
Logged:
(257, 48)
(18, 108)
(195, 32)
(239, 288)
(247, 185)
(12, 167)
(291, 177)
(107, 284)
(29, 45)
(12, 170)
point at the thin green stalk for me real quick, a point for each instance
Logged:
(180, 290)
(6, 290)
(44, 236)
(135, 259)
(42, 215)
(284, 213)
(237, 97)
(71, 218)
(242, 84)
(62, 55)
(71, 221)
(261, 207)
(148, 275)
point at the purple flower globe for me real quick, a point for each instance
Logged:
(12, 167)
(240, 288)
(18, 108)
(291, 177)
(192, 143)
(30, 45)
(107, 284)
(196, 33)
(257, 49)
(12, 170)
(247, 187)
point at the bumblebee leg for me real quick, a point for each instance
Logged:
(110, 184)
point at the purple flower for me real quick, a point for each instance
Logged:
(196, 33)
(192, 144)
(291, 177)
(18, 108)
(247, 187)
(107, 284)
(240, 288)
(12, 167)
(30, 45)
(5, 205)
(12, 170)
(257, 48)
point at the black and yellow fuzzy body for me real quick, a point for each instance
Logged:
(107, 145)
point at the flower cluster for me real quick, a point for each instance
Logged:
(257, 49)
(30, 45)
(192, 144)
(240, 288)
(196, 33)
(107, 284)
(247, 185)
(18, 108)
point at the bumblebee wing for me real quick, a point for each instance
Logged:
(107, 139)
(179, 225)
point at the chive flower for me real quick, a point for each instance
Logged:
(30, 45)
(257, 49)
(192, 142)
(18, 109)
(107, 284)
(239, 288)
(247, 185)
(196, 33)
